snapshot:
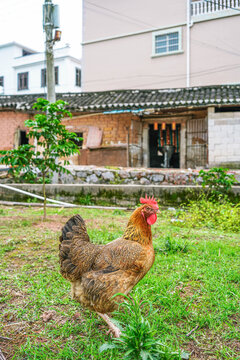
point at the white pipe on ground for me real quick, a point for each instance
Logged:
(35, 196)
(60, 202)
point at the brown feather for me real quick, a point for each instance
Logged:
(97, 272)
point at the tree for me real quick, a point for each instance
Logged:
(53, 139)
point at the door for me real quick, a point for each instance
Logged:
(162, 136)
(196, 143)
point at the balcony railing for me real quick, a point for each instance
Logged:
(208, 7)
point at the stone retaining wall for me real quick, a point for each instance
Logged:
(110, 195)
(138, 176)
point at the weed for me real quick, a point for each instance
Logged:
(217, 180)
(86, 200)
(212, 214)
(118, 212)
(137, 341)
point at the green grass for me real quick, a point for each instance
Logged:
(194, 282)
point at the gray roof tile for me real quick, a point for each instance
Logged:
(134, 99)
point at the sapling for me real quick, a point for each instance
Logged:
(53, 142)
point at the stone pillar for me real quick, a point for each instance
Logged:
(183, 145)
(145, 146)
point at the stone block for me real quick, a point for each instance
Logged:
(157, 178)
(92, 179)
(81, 174)
(144, 181)
(108, 176)
(123, 174)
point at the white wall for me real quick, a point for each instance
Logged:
(12, 63)
(7, 55)
(117, 46)
(223, 138)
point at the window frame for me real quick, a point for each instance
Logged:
(78, 143)
(78, 76)
(20, 79)
(167, 32)
(2, 81)
(44, 76)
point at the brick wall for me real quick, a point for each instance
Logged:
(10, 121)
(113, 149)
(224, 138)
(114, 127)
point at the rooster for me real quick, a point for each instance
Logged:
(98, 272)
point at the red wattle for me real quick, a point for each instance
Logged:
(152, 219)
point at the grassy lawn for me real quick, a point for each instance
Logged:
(194, 285)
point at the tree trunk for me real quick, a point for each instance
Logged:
(45, 199)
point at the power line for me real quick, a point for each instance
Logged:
(120, 14)
(216, 47)
(202, 72)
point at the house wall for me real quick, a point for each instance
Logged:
(114, 18)
(7, 56)
(12, 62)
(213, 52)
(121, 32)
(113, 149)
(10, 121)
(224, 138)
(127, 63)
(66, 76)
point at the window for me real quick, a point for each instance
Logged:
(44, 76)
(23, 81)
(2, 81)
(25, 53)
(166, 42)
(78, 77)
(78, 143)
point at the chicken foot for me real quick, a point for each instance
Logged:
(113, 328)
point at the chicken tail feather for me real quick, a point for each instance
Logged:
(74, 244)
(74, 227)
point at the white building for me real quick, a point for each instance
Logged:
(23, 70)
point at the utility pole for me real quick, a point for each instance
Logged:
(50, 22)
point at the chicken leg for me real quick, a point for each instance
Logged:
(113, 328)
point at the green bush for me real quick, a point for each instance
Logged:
(219, 182)
(213, 214)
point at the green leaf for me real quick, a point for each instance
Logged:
(106, 346)
(185, 355)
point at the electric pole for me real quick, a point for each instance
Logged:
(50, 22)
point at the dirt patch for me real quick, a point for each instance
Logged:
(49, 225)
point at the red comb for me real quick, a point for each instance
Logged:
(150, 201)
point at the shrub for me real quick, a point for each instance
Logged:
(213, 214)
(217, 180)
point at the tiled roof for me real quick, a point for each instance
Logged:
(135, 99)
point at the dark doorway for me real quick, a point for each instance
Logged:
(162, 136)
(23, 138)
